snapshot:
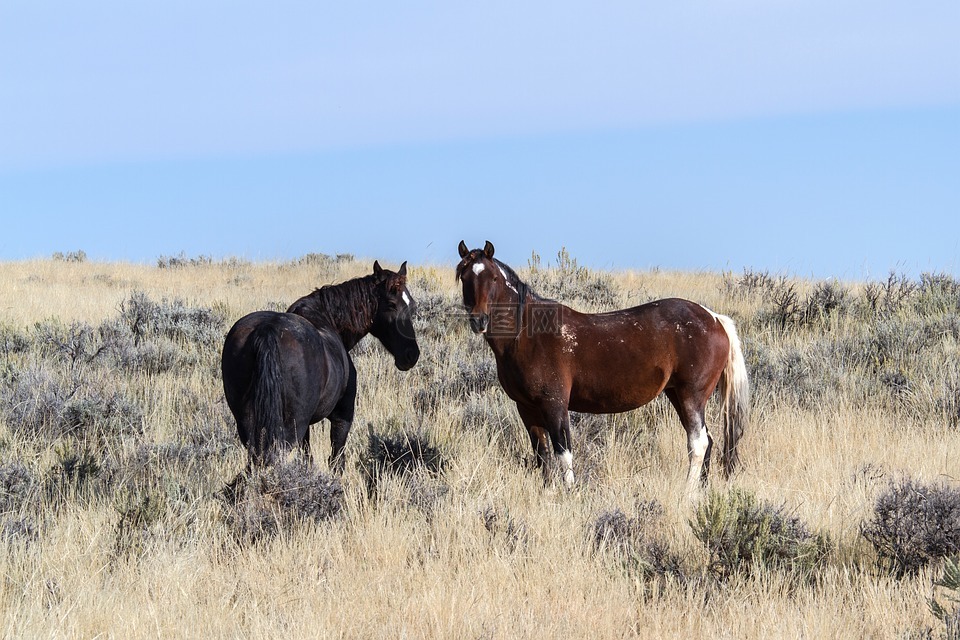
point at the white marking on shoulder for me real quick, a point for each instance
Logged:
(569, 336)
(478, 268)
(406, 299)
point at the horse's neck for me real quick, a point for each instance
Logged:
(351, 333)
(505, 342)
(352, 325)
(350, 337)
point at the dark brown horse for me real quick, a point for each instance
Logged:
(283, 372)
(551, 359)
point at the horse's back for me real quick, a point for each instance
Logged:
(621, 360)
(661, 326)
(313, 364)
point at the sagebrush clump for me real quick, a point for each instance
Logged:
(410, 457)
(636, 542)
(914, 524)
(263, 502)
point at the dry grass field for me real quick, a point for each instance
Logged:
(116, 448)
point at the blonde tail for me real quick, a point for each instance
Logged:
(736, 397)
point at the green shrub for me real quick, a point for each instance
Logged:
(749, 284)
(828, 299)
(783, 308)
(913, 525)
(949, 615)
(13, 341)
(938, 293)
(743, 534)
(47, 402)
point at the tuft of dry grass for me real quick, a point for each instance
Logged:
(116, 448)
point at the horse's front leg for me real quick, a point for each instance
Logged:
(339, 430)
(553, 422)
(538, 438)
(558, 424)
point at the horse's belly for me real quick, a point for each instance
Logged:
(616, 389)
(315, 380)
(610, 403)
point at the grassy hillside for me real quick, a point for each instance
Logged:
(116, 448)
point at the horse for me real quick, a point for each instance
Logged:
(552, 359)
(283, 372)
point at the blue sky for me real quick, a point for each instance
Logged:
(816, 138)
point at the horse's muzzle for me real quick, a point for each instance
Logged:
(410, 358)
(480, 322)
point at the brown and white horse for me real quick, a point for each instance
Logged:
(551, 359)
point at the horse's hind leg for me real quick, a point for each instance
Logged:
(699, 440)
(341, 419)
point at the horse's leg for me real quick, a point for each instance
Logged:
(699, 440)
(556, 421)
(559, 426)
(339, 430)
(538, 438)
(341, 419)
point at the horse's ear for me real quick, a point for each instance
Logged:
(488, 249)
(377, 269)
(463, 249)
(403, 269)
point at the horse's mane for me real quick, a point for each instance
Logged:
(523, 289)
(348, 307)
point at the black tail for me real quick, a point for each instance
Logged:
(266, 395)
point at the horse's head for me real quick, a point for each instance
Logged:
(393, 322)
(482, 281)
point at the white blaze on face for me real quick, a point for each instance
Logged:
(478, 268)
(406, 298)
(567, 459)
